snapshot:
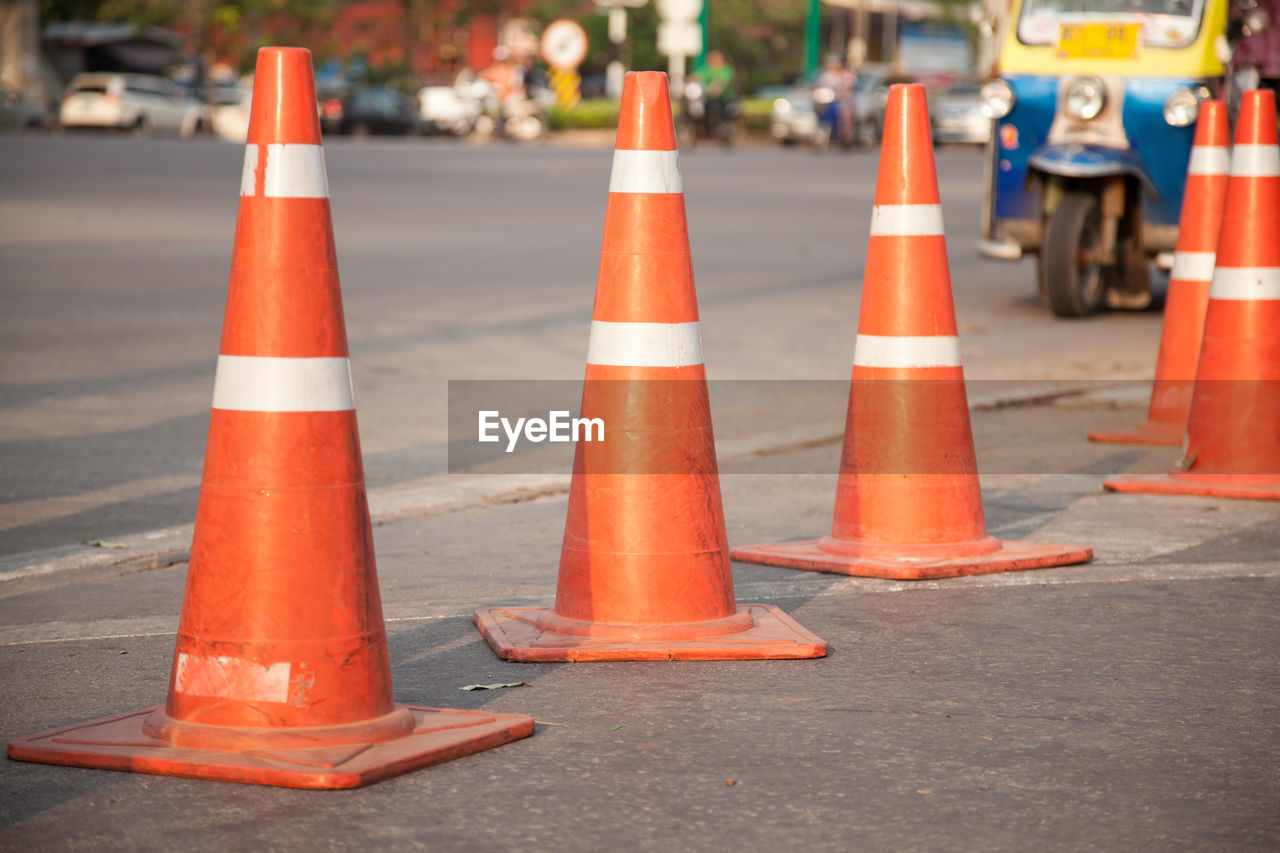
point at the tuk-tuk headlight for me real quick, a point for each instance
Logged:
(1181, 107)
(1084, 98)
(997, 98)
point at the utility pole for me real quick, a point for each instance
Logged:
(859, 49)
(812, 37)
(705, 21)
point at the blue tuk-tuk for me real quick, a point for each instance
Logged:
(1094, 113)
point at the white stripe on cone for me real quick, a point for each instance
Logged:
(1209, 160)
(906, 220)
(291, 170)
(645, 172)
(1245, 283)
(1255, 161)
(1193, 266)
(906, 351)
(246, 383)
(644, 344)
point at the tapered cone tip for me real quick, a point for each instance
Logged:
(1211, 125)
(644, 121)
(1257, 125)
(907, 174)
(284, 98)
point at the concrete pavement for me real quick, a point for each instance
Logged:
(1128, 703)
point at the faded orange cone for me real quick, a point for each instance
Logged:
(1188, 295)
(1232, 448)
(908, 505)
(644, 570)
(280, 674)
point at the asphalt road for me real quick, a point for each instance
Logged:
(457, 262)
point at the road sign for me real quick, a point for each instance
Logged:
(567, 85)
(679, 10)
(564, 44)
(679, 38)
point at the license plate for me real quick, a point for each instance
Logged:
(1098, 41)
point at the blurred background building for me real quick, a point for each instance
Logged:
(411, 44)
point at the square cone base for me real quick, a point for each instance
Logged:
(1147, 432)
(1261, 489)
(1012, 556)
(119, 743)
(513, 634)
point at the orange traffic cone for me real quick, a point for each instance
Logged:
(908, 505)
(280, 674)
(644, 570)
(1188, 295)
(1233, 435)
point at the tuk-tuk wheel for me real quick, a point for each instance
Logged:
(1073, 280)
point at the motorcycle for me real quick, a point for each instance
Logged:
(521, 118)
(525, 119)
(1094, 117)
(703, 118)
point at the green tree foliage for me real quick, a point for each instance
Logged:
(227, 28)
(763, 39)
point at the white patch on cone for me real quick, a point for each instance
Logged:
(196, 675)
(249, 174)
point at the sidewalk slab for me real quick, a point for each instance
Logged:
(1132, 702)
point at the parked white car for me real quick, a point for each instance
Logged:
(229, 117)
(139, 102)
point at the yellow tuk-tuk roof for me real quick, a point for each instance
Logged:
(1197, 59)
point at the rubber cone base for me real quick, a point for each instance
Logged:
(513, 634)
(1239, 487)
(1147, 432)
(119, 743)
(1011, 556)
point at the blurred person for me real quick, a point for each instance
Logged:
(503, 75)
(833, 100)
(718, 80)
(1253, 30)
(709, 103)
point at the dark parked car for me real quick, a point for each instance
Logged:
(369, 110)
